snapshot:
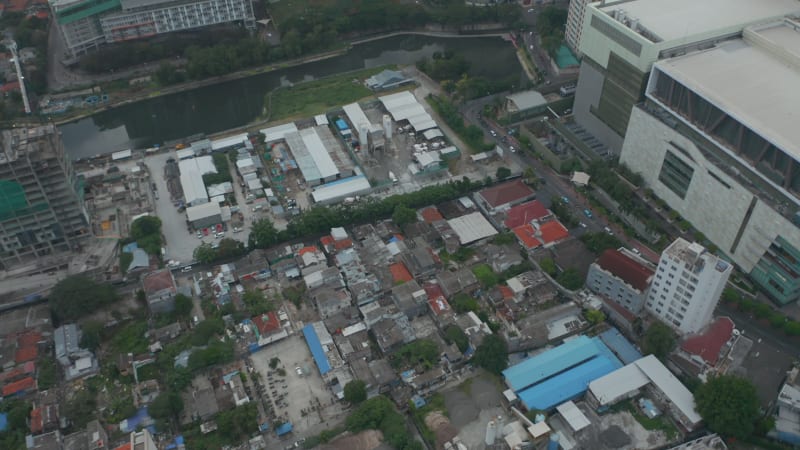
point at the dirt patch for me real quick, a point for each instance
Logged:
(441, 427)
(460, 407)
(365, 440)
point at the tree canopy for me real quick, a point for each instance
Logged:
(355, 391)
(263, 234)
(729, 405)
(403, 216)
(492, 354)
(146, 231)
(658, 340)
(502, 173)
(77, 296)
(166, 406)
(455, 335)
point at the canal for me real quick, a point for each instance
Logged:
(238, 102)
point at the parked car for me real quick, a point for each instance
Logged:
(587, 213)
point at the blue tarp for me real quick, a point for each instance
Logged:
(227, 377)
(3, 421)
(341, 124)
(419, 402)
(263, 427)
(621, 347)
(316, 349)
(130, 247)
(283, 429)
(133, 423)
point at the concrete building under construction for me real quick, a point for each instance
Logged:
(42, 211)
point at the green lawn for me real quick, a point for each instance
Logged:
(657, 423)
(316, 97)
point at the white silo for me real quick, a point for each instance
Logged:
(387, 127)
(500, 423)
(363, 136)
(491, 432)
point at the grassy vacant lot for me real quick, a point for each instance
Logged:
(316, 97)
(284, 9)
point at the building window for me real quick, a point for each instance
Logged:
(676, 174)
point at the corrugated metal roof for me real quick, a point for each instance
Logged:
(621, 347)
(567, 385)
(549, 363)
(609, 388)
(316, 349)
(340, 189)
(472, 227)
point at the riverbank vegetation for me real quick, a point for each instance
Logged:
(472, 135)
(452, 72)
(316, 97)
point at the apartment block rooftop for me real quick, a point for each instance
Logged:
(659, 21)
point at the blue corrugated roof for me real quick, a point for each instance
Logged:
(316, 349)
(283, 429)
(540, 367)
(3, 421)
(620, 346)
(567, 385)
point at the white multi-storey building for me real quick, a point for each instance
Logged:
(85, 25)
(574, 27)
(687, 286)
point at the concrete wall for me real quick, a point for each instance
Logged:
(598, 281)
(587, 96)
(712, 208)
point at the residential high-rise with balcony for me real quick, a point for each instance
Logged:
(42, 212)
(687, 285)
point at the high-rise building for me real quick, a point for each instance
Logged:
(621, 40)
(42, 212)
(688, 283)
(85, 25)
(724, 151)
(574, 26)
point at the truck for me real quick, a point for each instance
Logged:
(567, 89)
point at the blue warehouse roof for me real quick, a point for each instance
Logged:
(316, 349)
(567, 385)
(620, 346)
(552, 362)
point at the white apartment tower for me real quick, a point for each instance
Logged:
(687, 286)
(574, 28)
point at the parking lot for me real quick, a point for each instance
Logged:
(300, 398)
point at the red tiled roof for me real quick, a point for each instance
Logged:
(439, 306)
(267, 323)
(506, 193)
(157, 281)
(18, 386)
(344, 243)
(36, 420)
(8, 87)
(400, 273)
(526, 234)
(553, 231)
(17, 5)
(708, 344)
(126, 446)
(434, 290)
(18, 371)
(505, 291)
(24, 354)
(399, 237)
(326, 240)
(626, 268)
(309, 249)
(29, 338)
(431, 214)
(525, 213)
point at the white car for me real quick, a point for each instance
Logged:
(298, 370)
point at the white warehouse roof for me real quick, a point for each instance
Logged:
(472, 227)
(404, 106)
(340, 189)
(573, 415)
(611, 387)
(278, 132)
(199, 165)
(230, 141)
(203, 211)
(311, 155)
(355, 115)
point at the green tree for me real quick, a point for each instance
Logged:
(145, 226)
(183, 306)
(485, 274)
(502, 173)
(355, 392)
(166, 406)
(81, 408)
(570, 278)
(594, 316)
(262, 234)
(729, 405)
(403, 216)
(77, 296)
(463, 302)
(455, 335)
(205, 253)
(658, 340)
(548, 266)
(230, 248)
(256, 303)
(90, 335)
(492, 354)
